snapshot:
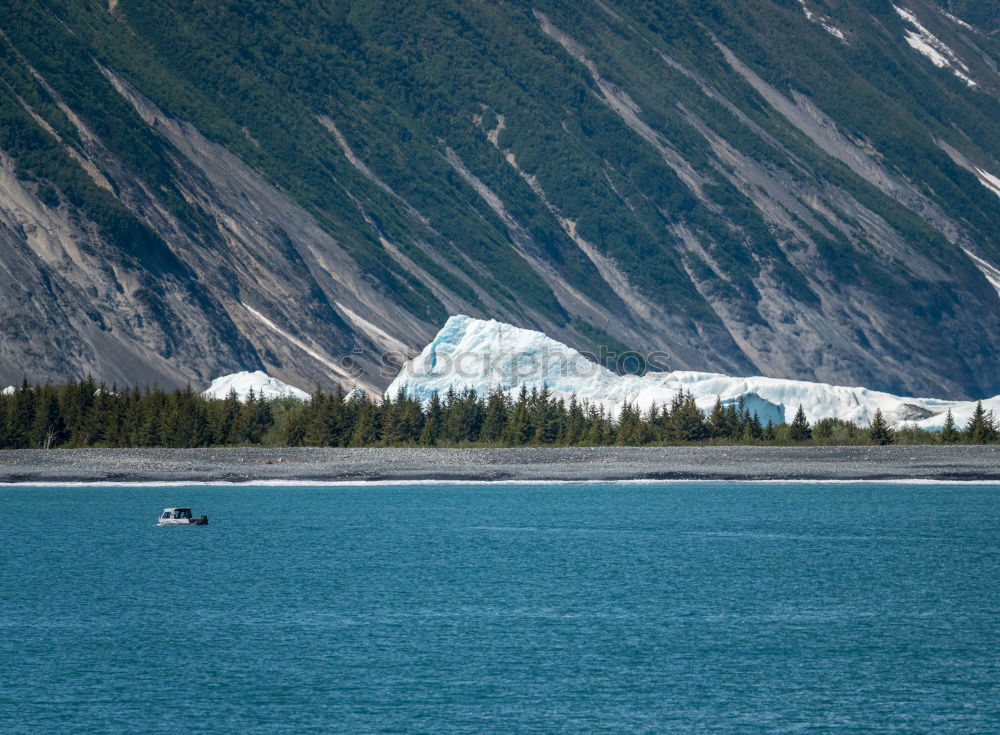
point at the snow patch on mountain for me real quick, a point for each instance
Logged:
(490, 355)
(991, 272)
(825, 22)
(988, 180)
(262, 385)
(957, 21)
(924, 42)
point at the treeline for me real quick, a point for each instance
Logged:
(88, 414)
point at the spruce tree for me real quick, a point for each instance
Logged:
(800, 430)
(409, 418)
(949, 432)
(981, 427)
(717, 423)
(468, 417)
(48, 430)
(153, 413)
(598, 431)
(22, 417)
(390, 433)
(575, 422)
(339, 416)
(517, 431)
(742, 417)
(365, 432)
(431, 431)
(227, 427)
(732, 422)
(687, 422)
(545, 419)
(495, 417)
(879, 431)
(4, 436)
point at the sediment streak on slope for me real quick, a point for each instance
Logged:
(616, 280)
(619, 100)
(823, 131)
(314, 354)
(992, 273)
(376, 333)
(572, 299)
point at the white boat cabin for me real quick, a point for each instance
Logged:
(180, 517)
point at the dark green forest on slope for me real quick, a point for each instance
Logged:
(652, 175)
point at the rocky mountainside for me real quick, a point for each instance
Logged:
(800, 189)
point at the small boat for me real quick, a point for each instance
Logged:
(181, 517)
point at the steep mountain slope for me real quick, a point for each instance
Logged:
(795, 188)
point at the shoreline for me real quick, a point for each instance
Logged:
(287, 466)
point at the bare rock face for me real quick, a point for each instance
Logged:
(806, 191)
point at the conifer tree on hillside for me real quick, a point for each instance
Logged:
(879, 431)
(800, 430)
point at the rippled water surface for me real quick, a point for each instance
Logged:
(718, 608)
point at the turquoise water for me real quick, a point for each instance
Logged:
(678, 608)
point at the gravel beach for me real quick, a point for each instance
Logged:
(521, 464)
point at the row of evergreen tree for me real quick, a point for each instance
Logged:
(88, 414)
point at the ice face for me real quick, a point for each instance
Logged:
(262, 384)
(489, 355)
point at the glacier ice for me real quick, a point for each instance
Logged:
(486, 355)
(262, 384)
